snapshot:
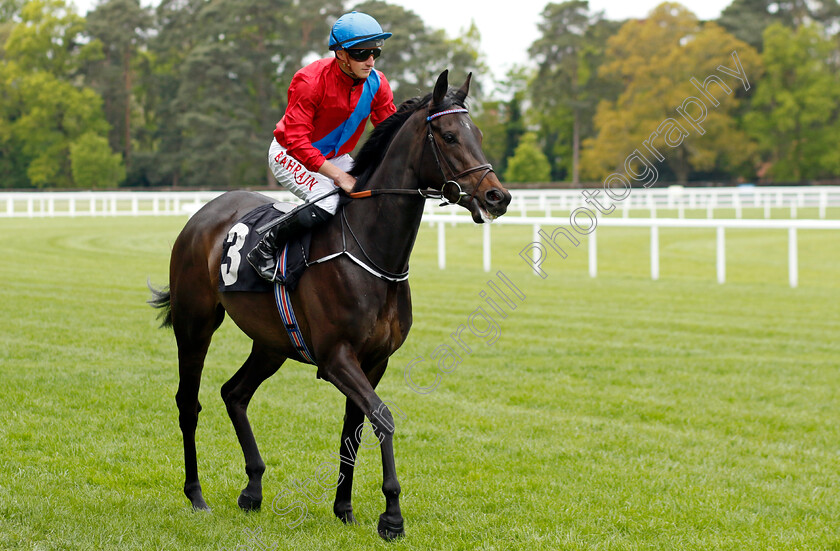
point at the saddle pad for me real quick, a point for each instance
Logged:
(237, 274)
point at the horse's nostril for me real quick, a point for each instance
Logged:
(494, 196)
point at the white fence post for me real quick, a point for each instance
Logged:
(654, 252)
(721, 255)
(43, 204)
(793, 262)
(486, 247)
(441, 245)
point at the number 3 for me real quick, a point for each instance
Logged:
(236, 238)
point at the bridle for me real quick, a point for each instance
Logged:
(450, 192)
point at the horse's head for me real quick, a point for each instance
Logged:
(463, 174)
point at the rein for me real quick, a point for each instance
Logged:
(450, 192)
(371, 267)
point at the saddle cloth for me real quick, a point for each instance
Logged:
(237, 274)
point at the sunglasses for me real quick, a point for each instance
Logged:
(363, 54)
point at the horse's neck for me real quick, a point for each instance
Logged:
(388, 223)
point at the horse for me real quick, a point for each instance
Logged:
(351, 314)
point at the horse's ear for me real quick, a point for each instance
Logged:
(441, 87)
(462, 92)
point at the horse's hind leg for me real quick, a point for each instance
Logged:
(193, 334)
(353, 418)
(237, 394)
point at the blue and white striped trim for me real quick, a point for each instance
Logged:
(287, 313)
(447, 112)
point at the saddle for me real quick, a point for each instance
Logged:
(237, 274)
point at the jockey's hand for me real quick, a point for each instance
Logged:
(345, 182)
(341, 178)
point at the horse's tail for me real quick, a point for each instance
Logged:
(161, 300)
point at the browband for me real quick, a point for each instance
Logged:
(448, 111)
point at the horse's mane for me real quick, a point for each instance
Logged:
(373, 151)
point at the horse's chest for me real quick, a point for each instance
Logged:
(389, 327)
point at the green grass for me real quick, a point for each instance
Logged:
(611, 413)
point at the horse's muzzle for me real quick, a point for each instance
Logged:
(496, 201)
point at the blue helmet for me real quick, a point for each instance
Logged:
(356, 28)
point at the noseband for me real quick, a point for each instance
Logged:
(451, 191)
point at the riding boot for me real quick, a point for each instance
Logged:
(263, 257)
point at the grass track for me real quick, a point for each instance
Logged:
(611, 413)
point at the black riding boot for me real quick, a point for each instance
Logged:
(263, 257)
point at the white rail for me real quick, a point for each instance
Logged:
(540, 246)
(110, 203)
(156, 203)
(682, 199)
(548, 202)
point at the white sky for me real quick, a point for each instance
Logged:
(508, 28)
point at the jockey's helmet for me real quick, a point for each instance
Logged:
(356, 29)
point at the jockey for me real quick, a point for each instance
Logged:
(329, 103)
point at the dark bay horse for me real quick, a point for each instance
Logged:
(351, 320)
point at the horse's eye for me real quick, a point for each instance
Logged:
(449, 137)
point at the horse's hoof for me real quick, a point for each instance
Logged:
(389, 530)
(200, 505)
(248, 503)
(347, 517)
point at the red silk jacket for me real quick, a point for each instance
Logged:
(324, 108)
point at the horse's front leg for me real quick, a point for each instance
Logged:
(346, 374)
(391, 521)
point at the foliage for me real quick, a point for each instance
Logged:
(93, 163)
(748, 19)
(189, 92)
(44, 111)
(795, 117)
(490, 118)
(567, 85)
(655, 59)
(528, 163)
(120, 27)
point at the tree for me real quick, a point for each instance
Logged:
(490, 118)
(44, 110)
(120, 27)
(794, 116)
(94, 164)
(656, 60)
(528, 163)
(566, 87)
(747, 19)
